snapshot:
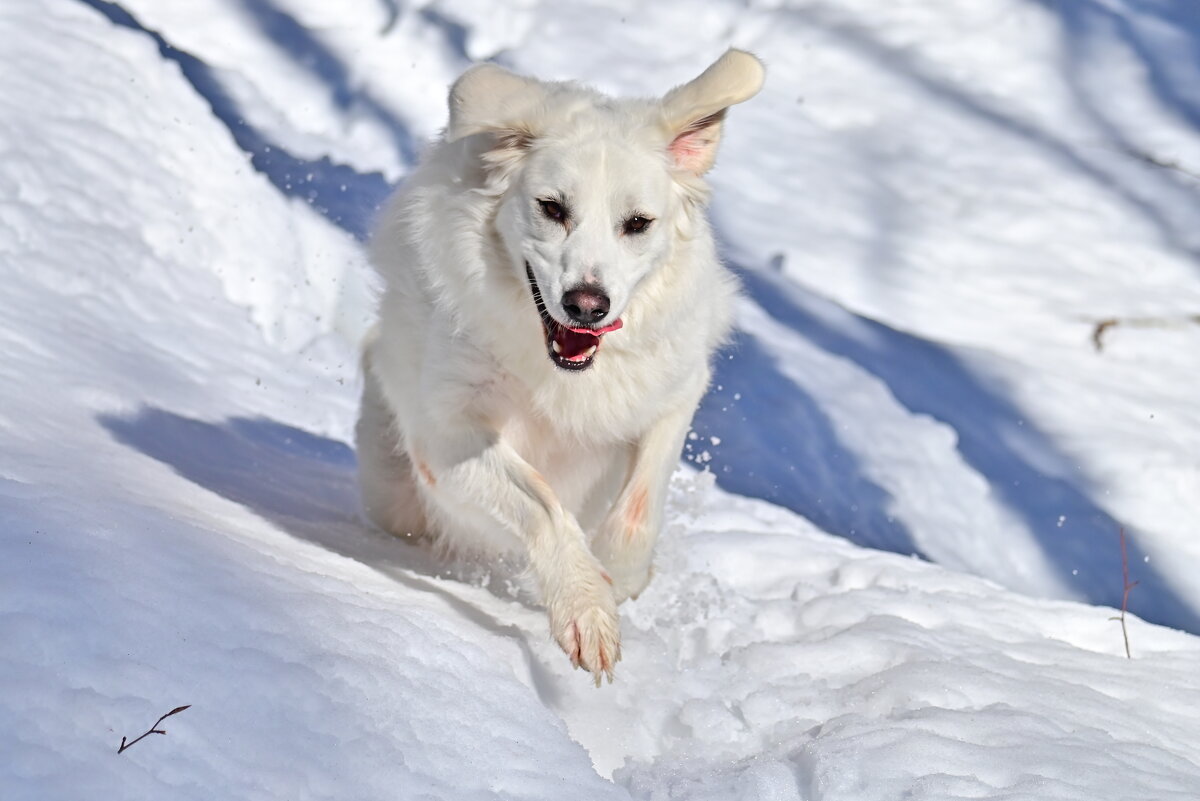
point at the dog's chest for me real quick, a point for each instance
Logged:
(585, 474)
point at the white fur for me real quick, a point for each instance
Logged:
(469, 433)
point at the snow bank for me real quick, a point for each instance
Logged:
(801, 668)
(129, 588)
(936, 204)
(177, 513)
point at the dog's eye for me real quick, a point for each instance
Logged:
(635, 225)
(553, 210)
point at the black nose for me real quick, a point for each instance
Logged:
(585, 305)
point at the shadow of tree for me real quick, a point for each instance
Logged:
(1176, 230)
(1085, 27)
(1171, 79)
(308, 52)
(340, 193)
(1020, 463)
(776, 443)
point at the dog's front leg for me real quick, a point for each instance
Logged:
(476, 468)
(625, 543)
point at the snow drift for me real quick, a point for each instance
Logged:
(932, 208)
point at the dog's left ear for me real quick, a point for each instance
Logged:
(695, 111)
(490, 99)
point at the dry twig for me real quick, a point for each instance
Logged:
(1101, 327)
(153, 729)
(1124, 594)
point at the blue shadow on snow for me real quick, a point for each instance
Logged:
(1175, 232)
(306, 483)
(302, 482)
(341, 194)
(1020, 463)
(776, 443)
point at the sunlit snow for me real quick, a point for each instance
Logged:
(892, 546)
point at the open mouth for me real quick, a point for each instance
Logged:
(569, 348)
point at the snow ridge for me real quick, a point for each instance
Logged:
(926, 241)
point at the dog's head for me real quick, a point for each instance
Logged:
(595, 193)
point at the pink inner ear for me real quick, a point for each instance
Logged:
(692, 150)
(695, 148)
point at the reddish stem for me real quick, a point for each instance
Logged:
(1126, 587)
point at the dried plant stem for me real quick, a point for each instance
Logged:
(1127, 586)
(153, 729)
(1102, 327)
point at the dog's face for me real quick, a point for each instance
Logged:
(588, 220)
(594, 191)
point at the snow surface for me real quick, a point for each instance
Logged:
(932, 205)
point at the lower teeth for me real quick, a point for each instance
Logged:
(583, 356)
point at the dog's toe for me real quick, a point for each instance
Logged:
(592, 640)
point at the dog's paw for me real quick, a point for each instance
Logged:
(589, 631)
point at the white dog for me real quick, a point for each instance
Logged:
(552, 298)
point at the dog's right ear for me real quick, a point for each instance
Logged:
(695, 112)
(490, 99)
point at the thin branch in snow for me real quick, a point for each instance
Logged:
(1124, 594)
(1101, 326)
(1098, 332)
(153, 729)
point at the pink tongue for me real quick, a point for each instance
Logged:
(573, 343)
(613, 326)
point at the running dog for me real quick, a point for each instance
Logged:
(551, 301)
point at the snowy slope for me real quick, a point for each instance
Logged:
(944, 215)
(933, 205)
(127, 586)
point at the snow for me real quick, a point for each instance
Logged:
(931, 206)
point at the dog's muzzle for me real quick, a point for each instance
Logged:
(570, 348)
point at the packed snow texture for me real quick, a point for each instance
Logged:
(932, 207)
